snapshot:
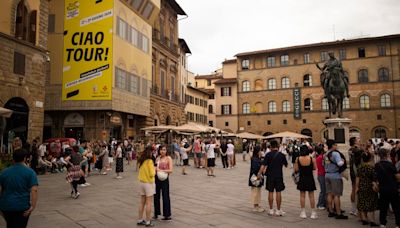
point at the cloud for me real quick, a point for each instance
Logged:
(217, 30)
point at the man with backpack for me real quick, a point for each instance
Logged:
(335, 164)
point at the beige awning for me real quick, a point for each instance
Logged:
(5, 112)
(288, 134)
(247, 135)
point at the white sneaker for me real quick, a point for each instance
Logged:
(280, 213)
(255, 209)
(119, 177)
(82, 185)
(303, 214)
(260, 209)
(271, 212)
(321, 208)
(313, 215)
(87, 184)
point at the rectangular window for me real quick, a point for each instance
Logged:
(245, 64)
(225, 91)
(120, 79)
(271, 61)
(196, 101)
(122, 25)
(284, 60)
(148, 9)
(342, 54)
(134, 84)
(306, 58)
(248, 123)
(381, 50)
(134, 37)
(268, 122)
(52, 23)
(211, 97)
(284, 121)
(226, 109)
(145, 44)
(324, 55)
(136, 4)
(208, 82)
(19, 63)
(361, 52)
(144, 87)
(211, 123)
(172, 85)
(226, 124)
(162, 80)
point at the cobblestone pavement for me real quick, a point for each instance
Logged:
(197, 201)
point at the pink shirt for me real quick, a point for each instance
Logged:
(320, 165)
(163, 165)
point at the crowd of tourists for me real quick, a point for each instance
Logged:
(372, 169)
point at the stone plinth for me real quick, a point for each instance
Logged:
(338, 129)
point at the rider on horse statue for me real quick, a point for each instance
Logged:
(331, 67)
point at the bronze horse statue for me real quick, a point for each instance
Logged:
(335, 91)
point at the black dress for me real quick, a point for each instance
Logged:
(119, 166)
(306, 180)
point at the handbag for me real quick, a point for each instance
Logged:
(255, 181)
(296, 177)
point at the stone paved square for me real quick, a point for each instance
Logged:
(196, 199)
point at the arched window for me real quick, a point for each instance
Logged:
(285, 106)
(363, 76)
(324, 104)
(246, 108)
(364, 102)
(383, 74)
(21, 21)
(272, 106)
(346, 103)
(307, 80)
(307, 132)
(385, 100)
(245, 86)
(259, 107)
(308, 106)
(285, 83)
(272, 83)
(380, 132)
(258, 85)
(210, 109)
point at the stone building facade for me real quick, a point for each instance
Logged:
(268, 81)
(123, 115)
(167, 102)
(23, 67)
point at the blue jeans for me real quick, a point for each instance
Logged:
(322, 193)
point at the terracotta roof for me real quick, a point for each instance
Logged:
(206, 91)
(226, 81)
(210, 76)
(321, 44)
(184, 45)
(176, 7)
(229, 61)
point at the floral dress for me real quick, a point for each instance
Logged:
(367, 198)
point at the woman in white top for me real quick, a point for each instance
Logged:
(209, 147)
(230, 152)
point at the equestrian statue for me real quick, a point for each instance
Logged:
(335, 84)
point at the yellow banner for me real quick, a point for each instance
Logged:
(87, 65)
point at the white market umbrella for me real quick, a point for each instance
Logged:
(288, 134)
(5, 112)
(247, 135)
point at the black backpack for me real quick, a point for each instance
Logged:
(341, 168)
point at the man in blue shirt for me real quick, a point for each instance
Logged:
(333, 179)
(18, 195)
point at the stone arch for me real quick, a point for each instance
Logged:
(307, 132)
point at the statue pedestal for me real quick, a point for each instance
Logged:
(338, 129)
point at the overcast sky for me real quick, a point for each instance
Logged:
(218, 29)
